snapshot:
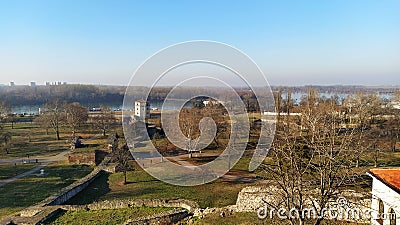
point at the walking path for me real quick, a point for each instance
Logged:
(44, 161)
(32, 159)
(182, 160)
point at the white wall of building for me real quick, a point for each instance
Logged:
(142, 110)
(390, 199)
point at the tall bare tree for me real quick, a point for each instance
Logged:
(4, 112)
(53, 116)
(5, 137)
(75, 115)
(311, 161)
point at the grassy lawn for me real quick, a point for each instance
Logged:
(8, 171)
(106, 217)
(141, 185)
(29, 139)
(251, 218)
(32, 189)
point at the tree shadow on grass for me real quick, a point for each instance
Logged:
(92, 192)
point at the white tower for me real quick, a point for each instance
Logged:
(142, 109)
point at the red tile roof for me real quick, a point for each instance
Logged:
(390, 177)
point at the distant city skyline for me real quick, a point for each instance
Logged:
(345, 42)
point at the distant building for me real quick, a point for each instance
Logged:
(32, 84)
(12, 84)
(47, 83)
(142, 109)
(395, 104)
(211, 101)
(64, 83)
(385, 196)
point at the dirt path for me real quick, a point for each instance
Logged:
(231, 176)
(32, 159)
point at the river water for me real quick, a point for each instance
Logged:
(34, 109)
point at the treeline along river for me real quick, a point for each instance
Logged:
(25, 99)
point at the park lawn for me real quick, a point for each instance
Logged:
(106, 217)
(143, 186)
(30, 139)
(8, 171)
(33, 189)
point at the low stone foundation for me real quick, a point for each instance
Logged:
(94, 157)
(170, 217)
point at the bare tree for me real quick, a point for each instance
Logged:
(4, 112)
(393, 123)
(5, 139)
(54, 116)
(122, 156)
(311, 161)
(43, 122)
(104, 119)
(363, 108)
(75, 115)
(189, 120)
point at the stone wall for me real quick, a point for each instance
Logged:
(66, 193)
(82, 158)
(252, 198)
(90, 158)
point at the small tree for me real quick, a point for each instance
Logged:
(6, 140)
(122, 156)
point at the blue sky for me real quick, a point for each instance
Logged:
(294, 42)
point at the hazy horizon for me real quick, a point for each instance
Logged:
(294, 43)
(212, 87)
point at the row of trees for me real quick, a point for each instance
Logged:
(37, 95)
(55, 115)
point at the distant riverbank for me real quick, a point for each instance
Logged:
(117, 106)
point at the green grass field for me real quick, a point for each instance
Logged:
(35, 188)
(141, 185)
(8, 171)
(105, 217)
(30, 139)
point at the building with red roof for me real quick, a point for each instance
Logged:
(385, 196)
